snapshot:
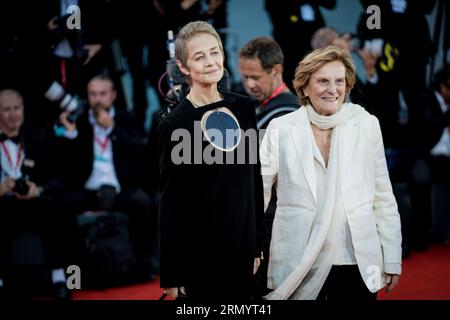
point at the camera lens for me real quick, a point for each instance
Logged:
(21, 187)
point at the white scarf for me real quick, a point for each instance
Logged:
(305, 282)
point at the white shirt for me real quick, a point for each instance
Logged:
(345, 254)
(103, 170)
(442, 148)
(9, 169)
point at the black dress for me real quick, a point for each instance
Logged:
(209, 214)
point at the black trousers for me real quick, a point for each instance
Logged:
(38, 216)
(345, 283)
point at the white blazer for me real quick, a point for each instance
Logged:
(369, 203)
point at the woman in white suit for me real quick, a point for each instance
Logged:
(336, 232)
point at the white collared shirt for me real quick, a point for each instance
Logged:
(8, 169)
(442, 148)
(345, 254)
(103, 170)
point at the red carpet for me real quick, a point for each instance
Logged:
(426, 276)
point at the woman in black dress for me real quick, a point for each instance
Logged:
(211, 203)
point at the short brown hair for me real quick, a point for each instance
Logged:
(187, 33)
(103, 77)
(316, 60)
(265, 49)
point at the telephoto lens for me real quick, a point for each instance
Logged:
(65, 101)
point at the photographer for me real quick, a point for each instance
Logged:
(74, 54)
(28, 184)
(294, 23)
(100, 158)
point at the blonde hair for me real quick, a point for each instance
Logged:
(316, 60)
(189, 31)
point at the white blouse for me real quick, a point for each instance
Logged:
(345, 254)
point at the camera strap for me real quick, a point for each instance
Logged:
(8, 157)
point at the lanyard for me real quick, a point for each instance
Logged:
(275, 93)
(102, 144)
(8, 156)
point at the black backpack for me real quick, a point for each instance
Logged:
(109, 257)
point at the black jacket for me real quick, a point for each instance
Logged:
(76, 157)
(38, 165)
(278, 106)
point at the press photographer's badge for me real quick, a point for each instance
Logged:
(221, 129)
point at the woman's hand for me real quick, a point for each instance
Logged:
(392, 281)
(256, 264)
(174, 292)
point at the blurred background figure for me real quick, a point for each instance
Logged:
(394, 94)
(106, 148)
(261, 66)
(29, 186)
(434, 140)
(293, 23)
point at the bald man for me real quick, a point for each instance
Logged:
(28, 185)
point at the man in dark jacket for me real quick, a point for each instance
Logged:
(431, 134)
(261, 66)
(100, 159)
(294, 23)
(28, 185)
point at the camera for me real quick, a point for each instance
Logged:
(374, 46)
(66, 101)
(21, 187)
